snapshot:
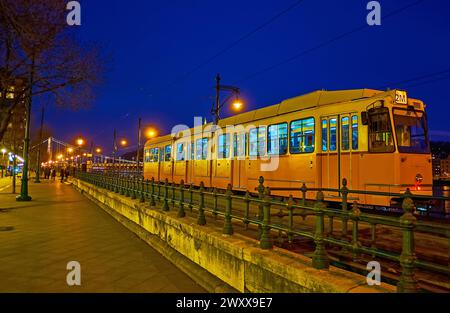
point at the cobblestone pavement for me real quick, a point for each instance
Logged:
(39, 238)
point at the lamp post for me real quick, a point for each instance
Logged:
(26, 142)
(80, 143)
(38, 162)
(139, 146)
(237, 104)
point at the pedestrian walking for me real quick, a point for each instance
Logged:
(67, 173)
(53, 174)
(62, 173)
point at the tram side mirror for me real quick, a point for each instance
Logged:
(364, 118)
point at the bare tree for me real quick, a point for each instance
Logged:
(39, 56)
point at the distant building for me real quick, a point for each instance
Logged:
(436, 164)
(445, 167)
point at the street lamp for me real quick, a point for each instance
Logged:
(237, 104)
(150, 132)
(3, 160)
(80, 143)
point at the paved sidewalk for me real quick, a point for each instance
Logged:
(39, 238)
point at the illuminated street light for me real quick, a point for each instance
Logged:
(70, 150)
(80, 142)
(123, 142)
(237, 105)
(3, 151)
(60, 157)
(98, 150)
(151, 132)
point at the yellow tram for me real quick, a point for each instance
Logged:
(376, 140)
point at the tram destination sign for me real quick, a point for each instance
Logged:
(401, 97)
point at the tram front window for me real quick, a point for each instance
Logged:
(380, 131)
(411, 131)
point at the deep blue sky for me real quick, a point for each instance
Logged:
(155, 42)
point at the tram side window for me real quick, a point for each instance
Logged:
(224, 146)
(201, 149)
(380, 131)
(192, 154)
(253, 142)
(345, 137)
(332, 134)
(262, 138)
(354, 132)
(277, 139)
(257, 138)
(180, 152)
(168, 153)
(302, 136)
(151, 155)
(239, 145)
(324, 135)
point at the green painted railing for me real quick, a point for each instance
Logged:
(186, 197)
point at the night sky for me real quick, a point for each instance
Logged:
(163, 58)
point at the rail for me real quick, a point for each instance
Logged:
(325, 239)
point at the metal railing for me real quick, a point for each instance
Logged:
(324, 238)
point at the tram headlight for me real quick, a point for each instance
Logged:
(419, 178)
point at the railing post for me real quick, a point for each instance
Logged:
(355, 227)
(122, 185)
(191, 197)
(133, 188)
(266, 239)
(172, 188)
(247, 209)
(408, 282)
(181, 212)
(320, 258)
(227, 226)
(142, 199)
(291, 217)
(344, 192)
(304, 189)
(128, 187)
(201, 207)
(166, 195)
(261, 189)
(215, 202)
(152, 196)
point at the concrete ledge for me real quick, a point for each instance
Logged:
(218, 261)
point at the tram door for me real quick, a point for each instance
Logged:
(240, 162)
(339, 134)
